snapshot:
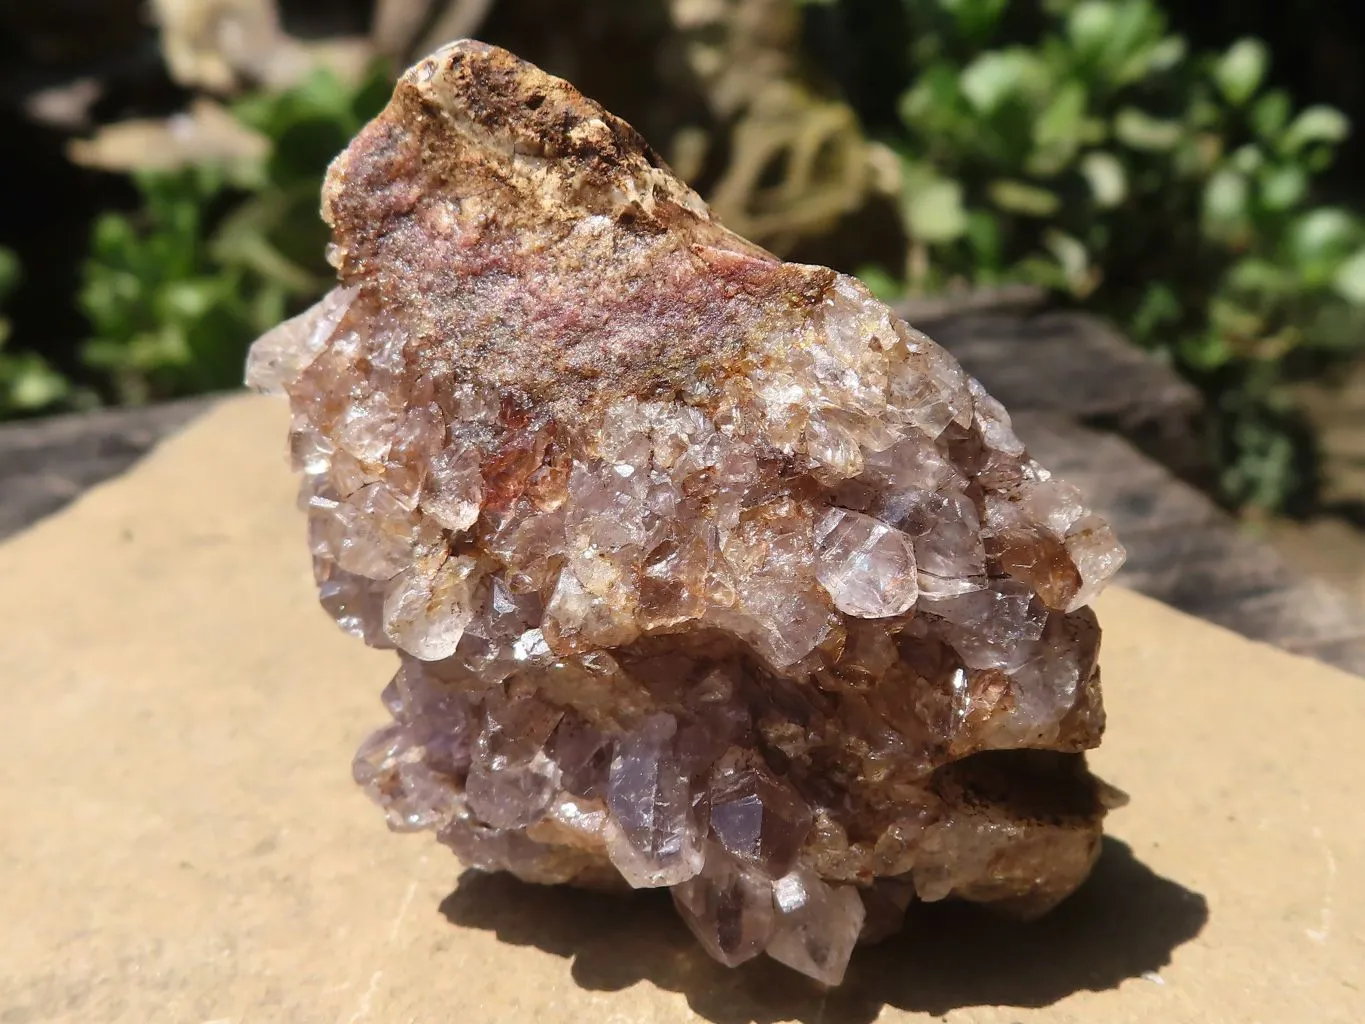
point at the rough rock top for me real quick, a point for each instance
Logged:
(599, 273)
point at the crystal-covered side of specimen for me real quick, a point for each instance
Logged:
(703, 570)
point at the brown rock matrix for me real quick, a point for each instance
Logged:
(703, 569)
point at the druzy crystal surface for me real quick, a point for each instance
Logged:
(702, 570)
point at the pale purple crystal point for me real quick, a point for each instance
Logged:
(729, 908)
(817, 925)
(652, 835)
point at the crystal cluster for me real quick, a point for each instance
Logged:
(703, 570)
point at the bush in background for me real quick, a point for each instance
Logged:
(27, 383)
(1092, 153)
(176, 291)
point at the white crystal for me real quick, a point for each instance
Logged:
(867, 567)
(281, 354)
(374, 533)
(994, 422)
(1097, 555)
(994, 627)
(833, 448)
(454, 488)
(949, 553)
(427, 607)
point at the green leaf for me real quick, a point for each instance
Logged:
(1136, 32)
(304, 146)
(374, 92)
(1139, 130)
(9, 271)
(1057, 133)
(1166, 54)
(1204, 352)
(983, 234)
(1325, 233)
(1021, 197)
(1318, 242)
(1283, 187)
(1258, 276)
(1157, 312)
(933, 210)
(1192, 160)
(997, 75)
(934, 104)
(1226, 199)
(1247, 159)
(1270, 114)
(1240, 71)
(1090, 25)
(1074, 259)
(1107, 179)
(35, 385)
(1314, 125)
(1316, 159)
(1041, 271)
(1349, 280)
(113, 235)
(974, 18)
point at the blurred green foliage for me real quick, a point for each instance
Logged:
(27, 383)
(1090, 152)
(176, 291)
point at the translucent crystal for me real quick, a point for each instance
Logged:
(817, 925)
(703, 570)
(454, 488)
(281, 354)
(728, 907)
(512, 780)
(652, 836)
(884, 905)
(374, 533)
(993, 627)
(428, 606)
(355, 602)
(395, 773)
(755, 816)
(867, 567)
(949, 553)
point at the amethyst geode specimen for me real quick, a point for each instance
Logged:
(703, 569)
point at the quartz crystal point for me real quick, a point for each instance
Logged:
(703, 570)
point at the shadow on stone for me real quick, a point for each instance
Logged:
(1123, 923)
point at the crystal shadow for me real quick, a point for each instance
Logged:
(1123, 923)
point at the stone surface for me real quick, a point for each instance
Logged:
(703, 570)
